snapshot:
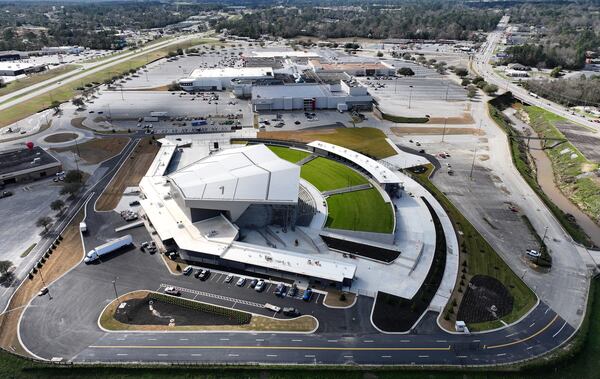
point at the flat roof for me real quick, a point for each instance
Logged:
(306, 90)
(347, 66)
(247, 173)
(231, 72)
(381, 173)
(16, 161)
(12, 65)
(284, 54)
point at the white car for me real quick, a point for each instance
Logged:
(188, 270)
(241, 282)
(172, 291)
(534, 253)
(260, 286)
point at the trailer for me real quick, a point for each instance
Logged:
(82, 227)
(107, 248)
(150, 119)
(159, 114)
(272, 307)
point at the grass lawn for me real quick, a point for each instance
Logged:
(368, 141)
(66, 92)
(479, 258)
(360, 210)
(290, 155)
(327, 175)
(36, 78)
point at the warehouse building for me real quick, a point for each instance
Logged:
(219, 79)
(24, 165)
(347, 94)
(11, 68)
(12, 56)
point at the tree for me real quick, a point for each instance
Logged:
(477, 79)
(2, 84)
(481, 84)
(55, 105)
(174, 86)
(405, 71)
(465, 82)
(4, 267)
(471, 91)
(556, 72)
(73, 176)
(57, 205)
(490, 89)
(44, 222)
(78, 102)
(379, 54)
(460, 71)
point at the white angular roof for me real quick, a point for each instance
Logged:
(249, 173)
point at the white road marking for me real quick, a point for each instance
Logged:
(501, 354)
(529, 348)
(151, 339)
(423, 356)
(259, 340)
(512, 334)
(532, 324)
(163, 355)
(547, 309)
(122, 354)
(440, 341)
(271, 355)
(223, 339)
(348, 356)
(462, 356)
(333, 341)
(386, 356)
(368, 341)
(196, 355)
(309, 356)
(296, 340)
(183, 339)
(404, 341)
(120, 339)
(559, 330)
(233, 355)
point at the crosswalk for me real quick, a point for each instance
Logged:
(215, 296)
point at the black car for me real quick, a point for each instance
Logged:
(253, 283)
(293, 290)
(291, 311)
(204, 275)
(198, 273)
(280, 290)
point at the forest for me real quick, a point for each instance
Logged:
(569, 92)
(420, 20)
(31, 25)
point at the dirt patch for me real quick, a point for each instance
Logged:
(66, 255)
(257, 323)
(484, 157)
(486, 299)
(334, 298)
(77, 122)
(97, 150)
(153, 89)
(148, 311)
(129, 175)
(426, 130)
(465, 119)
(61, 137)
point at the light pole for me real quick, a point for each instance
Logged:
(409, 96)
(114, 283)
(473, 163)
(444, 131)
(44, 283)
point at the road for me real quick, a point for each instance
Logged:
(483, 68)
(41, 88)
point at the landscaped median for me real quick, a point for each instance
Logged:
(67, 91)
(153, 311)
(399, 119)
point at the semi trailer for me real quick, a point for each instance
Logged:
(107, 248)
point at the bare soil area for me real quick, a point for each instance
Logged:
(97, 150)
(129, 175)
(426, 130)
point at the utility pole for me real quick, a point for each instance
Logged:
(444, 131)
(114, 283)
(409, 96)
(473, 163)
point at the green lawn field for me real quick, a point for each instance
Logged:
(327, 175)
(290, 155)
(360, 210)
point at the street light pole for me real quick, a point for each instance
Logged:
(114, 283)
(409, 96)
(444, 131)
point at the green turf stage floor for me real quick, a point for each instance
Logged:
(360, 210)
(328, 175)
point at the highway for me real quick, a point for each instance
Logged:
(482, 67)
(41, 88)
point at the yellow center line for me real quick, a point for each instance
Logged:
(526, 338)
(276, 348)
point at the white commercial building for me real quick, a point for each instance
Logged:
(12, 68)
(311, 96)
(218, 79)
(195, 207)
